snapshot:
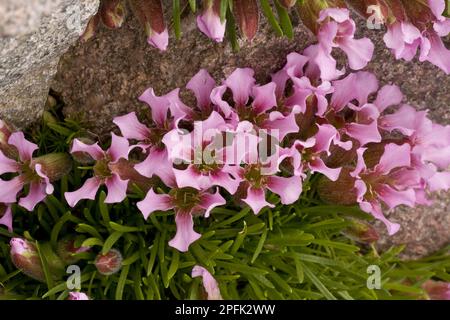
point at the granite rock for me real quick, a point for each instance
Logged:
(33, 36)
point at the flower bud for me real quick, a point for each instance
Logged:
(361, 231)
(48, 117)
(26, 258)
(55, 165)
(109, 263)
(248, 17)
(342, 191)
(66, 250)
(78, 296)
(437, 290)
(5, 133)
(91, 28)
(112, 13)
(288, 3)
(150, 15)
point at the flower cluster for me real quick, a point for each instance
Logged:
(245, 142)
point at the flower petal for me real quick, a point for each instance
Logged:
(210, 201)
(159, 40)
(131, 127)
(394, 156)
(119, 149)
(7, 165)
(24, 147)
(154, 202)
(289, 189)
(264, 97)
(87, 191)
(256, 199)
(7, 218)
(209, 283)
(394, 198)
(364, 133)
(93, 150)
(209, 23)
(359, 51)
(117, 189)
(35, 195)
(185, 235)
(202, 84)
(241, 83)
(389, 95)
(9, 189)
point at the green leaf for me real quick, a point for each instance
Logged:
(121, 228)
(176, 15)
(285, 21)
(259, 247)
(111, 240)
(223, 10)
(57, 228)
(85, 228)
(231, 31)
(319, 285)
(121, 283)
(103, 208)
(241, 268)
(90, 242)
(267, 10)
(193, 5)
(173, 265)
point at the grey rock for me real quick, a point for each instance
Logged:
(33, 36)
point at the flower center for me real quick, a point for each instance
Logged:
(185, 198)
(101, 168)
(253, 175)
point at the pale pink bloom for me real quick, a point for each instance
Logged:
(7, 218)
(308, 154)
(204, 154)
(105, 172)
(404, 38)
(78, 296)
(303, 89)
(159, 40)
(186, 202)
(356, 86)
(209, 283)
(294, 67)
(261, 113)
(261, 175)
(166, 111)
(392, 182)
(29, 173)
(209, 21)
(337, 30)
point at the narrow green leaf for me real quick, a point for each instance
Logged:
(177, 18)
(319, 285)
(267, 10)
(121, 228)
(121, 283)
(193, 5)
(260, 245)
(285, 21)
(110, 241)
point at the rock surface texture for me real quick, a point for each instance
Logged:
(33, 36)
(104, 77)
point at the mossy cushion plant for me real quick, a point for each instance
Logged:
(257, 191)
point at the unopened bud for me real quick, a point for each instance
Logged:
(112, 13)
(288, 3)
(109, 263)
(25, 257)
(55, 165)
(247, 13)
(78, 296)
(342, 191)
(361, 231)
(437, 290)
(66, 250)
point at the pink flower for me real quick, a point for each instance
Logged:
(166, 111)
(78, 296)
(404, 37)
(392, 182)
(29, 173)
(337, 30)
(437, 290)
(261, 113)
(104, 171)
(259, 173)
(209, 283)
(186, 202)
(204, 156)
(209, 21)
(307, 154)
